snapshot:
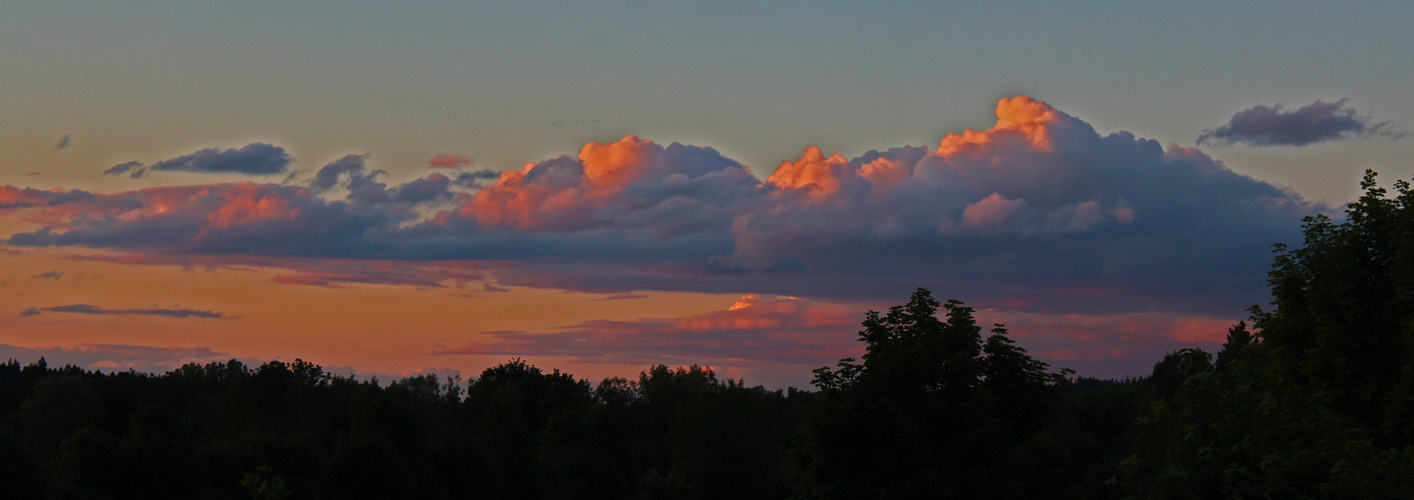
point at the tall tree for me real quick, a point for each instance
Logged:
(933, 410)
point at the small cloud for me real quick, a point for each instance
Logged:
(473, 180)
(153, 311)
(64, 143)
(51, 275)
(134, 167)
(31, 174)
(1319, 121)
(256, 158)
(487, 287)
(625, 296)
(449, 160)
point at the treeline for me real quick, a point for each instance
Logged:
(1313, 399)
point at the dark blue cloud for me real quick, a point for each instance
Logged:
(473, 180)
(1313, 123)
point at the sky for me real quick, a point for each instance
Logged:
(438, 187)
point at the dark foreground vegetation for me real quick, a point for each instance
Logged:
(1313, 399)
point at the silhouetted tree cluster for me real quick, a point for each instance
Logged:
(1312, 399)
(289, 430)
(1319, 400)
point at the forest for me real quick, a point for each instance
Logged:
(1311, 397)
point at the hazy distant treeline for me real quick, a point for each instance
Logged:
(1315, 398)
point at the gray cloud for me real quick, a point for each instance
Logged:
(252, 159)
(1313, 123)
(133, 167)
(64, 143)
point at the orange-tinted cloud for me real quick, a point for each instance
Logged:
(605, 185)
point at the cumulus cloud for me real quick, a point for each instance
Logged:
(252, 159)
(1034, 206)
(1313, 123)
(150, 311)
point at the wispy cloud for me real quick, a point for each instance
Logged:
(1313, 123)
(449, 160)
(64, 143)
(150, 311)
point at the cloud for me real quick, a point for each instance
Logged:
(1313, 123)
(625, 296)
(151, 311)
(449, 160)
(1114, 344)
(1031, 209)
(324, 272)
(134, 167)
(756, 330)
(14, 197)
(51, 275)
(252, 159)
(111, 357)
(64, 143)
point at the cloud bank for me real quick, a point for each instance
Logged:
(1040, 212)
(1313, 123)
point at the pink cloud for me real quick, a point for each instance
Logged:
(755, 330)
(449, 160)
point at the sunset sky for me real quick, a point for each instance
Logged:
(394, 188)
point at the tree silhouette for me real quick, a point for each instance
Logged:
(932, 410)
